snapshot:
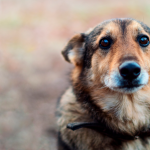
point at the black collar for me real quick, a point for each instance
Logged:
(107, 131)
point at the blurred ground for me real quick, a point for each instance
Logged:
(32, 72)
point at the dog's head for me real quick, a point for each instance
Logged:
(115, 55)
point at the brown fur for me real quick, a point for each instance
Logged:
(91, 99)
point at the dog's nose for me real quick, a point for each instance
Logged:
(129, 70)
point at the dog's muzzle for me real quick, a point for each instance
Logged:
(128, 78)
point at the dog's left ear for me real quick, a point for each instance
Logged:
(74, 50)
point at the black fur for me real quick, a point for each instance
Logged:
(123, 25)
(66, 51)
(62, 145)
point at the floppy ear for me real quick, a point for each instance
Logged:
(74, 50)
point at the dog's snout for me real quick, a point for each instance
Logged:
(129, 70)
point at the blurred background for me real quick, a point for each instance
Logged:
(33, 73)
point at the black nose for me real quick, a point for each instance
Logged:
(129, 70)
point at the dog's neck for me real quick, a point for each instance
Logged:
(125, 112)
(105, 130)
(126, 107)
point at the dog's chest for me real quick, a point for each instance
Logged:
(142, 144)
(87, 139)
(132, 113)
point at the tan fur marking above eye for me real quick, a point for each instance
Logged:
(109, 30)
(135, 28)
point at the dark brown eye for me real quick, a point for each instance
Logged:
(144, 41)
(105, 43)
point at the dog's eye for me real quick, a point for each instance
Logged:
(144, 41)
(105, 43)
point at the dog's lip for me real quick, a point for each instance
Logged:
(130, 86)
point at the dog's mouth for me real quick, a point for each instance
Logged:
(118, 83)
(128, 87)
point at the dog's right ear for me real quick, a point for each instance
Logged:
(74, 50)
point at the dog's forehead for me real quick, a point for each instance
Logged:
(119, 26)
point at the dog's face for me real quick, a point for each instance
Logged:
(115, 55)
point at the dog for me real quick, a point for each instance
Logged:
(107, 106)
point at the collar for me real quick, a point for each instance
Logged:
(103, 129)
